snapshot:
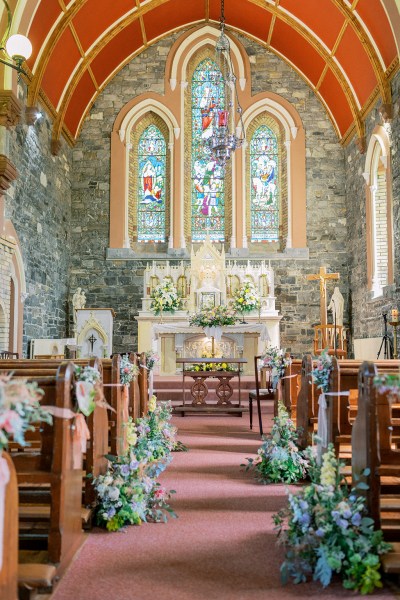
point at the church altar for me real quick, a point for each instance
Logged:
(207, 281)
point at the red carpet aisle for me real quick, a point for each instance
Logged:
(222, 547)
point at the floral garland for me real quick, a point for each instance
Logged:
(20, 408)
(274, 358)
(322, 371)
(279, 459)
(165, 298)
(246, 298)
(214, 317)
(85, 390)
(325, 530)
(127, 370)
(129, 492)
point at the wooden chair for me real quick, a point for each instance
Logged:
(262, 392)
(6, 355)
(331, 337)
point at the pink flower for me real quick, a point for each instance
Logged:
(10, 421)
(126, 370)
(160, 493)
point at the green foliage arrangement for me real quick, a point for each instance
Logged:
(279, 459)
(326, 530)
(322, 371)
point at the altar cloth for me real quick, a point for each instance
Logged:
(184, 327)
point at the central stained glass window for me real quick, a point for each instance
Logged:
(264, 199)
(207, 181)
(152, 161)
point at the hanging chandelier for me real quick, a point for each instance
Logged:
(226, 137)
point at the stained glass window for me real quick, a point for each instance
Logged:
(264, 197)
(207, 187)
(152, 160)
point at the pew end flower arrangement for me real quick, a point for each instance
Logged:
(165, 298)
(20, 409)
(128, 370)
(275, 359)
(279, 459)
(325, 530)
(129, 492)
(87, 388)
(388, 383)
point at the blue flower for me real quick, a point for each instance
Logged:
(304, 519)
(356, 519)
(133, 465)
(320, 532)
(125, 470)
(343, 523)
(111, 512)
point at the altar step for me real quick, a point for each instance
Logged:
(169, 387)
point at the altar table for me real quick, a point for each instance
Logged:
(199, 390)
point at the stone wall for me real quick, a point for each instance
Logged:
(6, 254)
(367, 312)
(39, 206)
(118, 284)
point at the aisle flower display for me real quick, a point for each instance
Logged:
(388, 383)
(152, 358)
(85, 389)
(165, 298)
(246, 298)
(129, 492)
(275, 359)
(320, 377)
(325, 530)
(279, 459)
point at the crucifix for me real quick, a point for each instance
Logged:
(92, 340)
(322, 277)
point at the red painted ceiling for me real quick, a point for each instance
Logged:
(342, 47)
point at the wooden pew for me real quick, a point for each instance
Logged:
(134, 391)
(9, 569)
(373, 450)
(143, 384)
(52, 472)
(304, 408)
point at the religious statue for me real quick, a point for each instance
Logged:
(78, 302)
(336, 305)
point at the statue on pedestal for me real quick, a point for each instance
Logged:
(78, 302)
(336, 305)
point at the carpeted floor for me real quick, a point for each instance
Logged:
(222, 546)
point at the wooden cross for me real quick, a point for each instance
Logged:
(322, 276)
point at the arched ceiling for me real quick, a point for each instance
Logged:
(345, 49)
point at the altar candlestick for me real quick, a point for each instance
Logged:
(395, 314)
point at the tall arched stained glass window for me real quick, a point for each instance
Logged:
(151, 188)
(207, 181)
(264, 197)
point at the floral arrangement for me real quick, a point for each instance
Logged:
(322, 371)
(246, 298)
(214, 317)
(127, 370)
(275, 359)
(128, 498)
(221, 366)
(129, 492)
(151, 359)
(279, 459)
(388, 383)
(327, 531)
(85, 389)
(165, 298)
(19, 409)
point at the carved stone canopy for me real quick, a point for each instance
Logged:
(8, 172)
(10, 109)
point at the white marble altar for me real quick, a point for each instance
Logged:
(208, 280)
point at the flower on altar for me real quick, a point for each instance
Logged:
(246, 298)
(165, 298)
(214, 317)
(20, 408)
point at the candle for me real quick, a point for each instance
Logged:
(395, 314)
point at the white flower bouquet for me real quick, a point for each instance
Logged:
(165, 298)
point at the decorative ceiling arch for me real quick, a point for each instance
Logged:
(345, 49)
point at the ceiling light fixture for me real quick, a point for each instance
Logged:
(226, 137)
